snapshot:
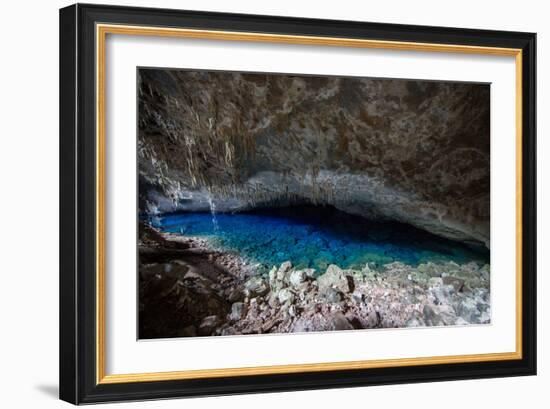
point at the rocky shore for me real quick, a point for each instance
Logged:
(188, 289)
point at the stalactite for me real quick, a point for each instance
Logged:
(217, 130)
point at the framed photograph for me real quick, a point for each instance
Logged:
(257, 203)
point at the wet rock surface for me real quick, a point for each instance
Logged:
(187, 289)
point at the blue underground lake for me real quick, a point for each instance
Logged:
(314, 237)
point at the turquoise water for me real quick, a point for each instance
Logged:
(315, 237)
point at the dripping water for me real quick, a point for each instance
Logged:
(215, 225)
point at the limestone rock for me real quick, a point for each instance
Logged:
(431, 316)
(285, 268)
(297, 277)
(286, 295)
(337, 278)
(435, 281)
(415, 321)
(209, 324)
(431, 172)
(457, 283)
(292, 311)
(331, 295)
(338, 322)
(443, 293)
(467, 309)
(256, 286)
(235, 294)
(238, 311)
(373, 319)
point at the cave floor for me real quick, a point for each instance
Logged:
(188, 288)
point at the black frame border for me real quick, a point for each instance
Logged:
(78, 210)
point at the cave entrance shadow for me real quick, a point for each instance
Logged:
(313, 235)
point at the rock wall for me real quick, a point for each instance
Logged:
(411, 151)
